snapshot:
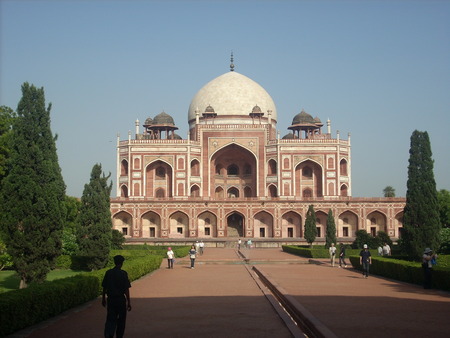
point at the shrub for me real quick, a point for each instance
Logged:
(25, 307)
(406, 271)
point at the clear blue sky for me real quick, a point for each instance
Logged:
(377, 69)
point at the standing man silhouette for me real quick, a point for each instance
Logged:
(116, 285)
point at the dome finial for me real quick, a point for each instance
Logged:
(232, 65)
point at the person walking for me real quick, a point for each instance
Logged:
(116, 286)
(428, 259)
(342, 256)
(239, 244)
(170, 258)
(386, 250)
(192, 255)
(380, 250)
(202, 246)
(365, 260)
(332, 251)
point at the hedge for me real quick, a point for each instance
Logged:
(405, 271)
(316, 252)
(25, 307)
(398, 269)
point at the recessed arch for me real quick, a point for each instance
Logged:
(321, 223)
(195, 190)
(271, 167)
(308, 179)
(151, 225)
(263, 225)
(291, 225)
(272, 191)
(195, 168)
(347, 224)
(123, 191)
(343, 167)
(158, 179)
(123, 222)
(235, 224)
(179, 225)
(207, 224)
(376, 221)
(234, 165)
(124, 167)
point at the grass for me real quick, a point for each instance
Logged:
(9, 280)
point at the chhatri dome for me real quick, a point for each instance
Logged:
(232, 94)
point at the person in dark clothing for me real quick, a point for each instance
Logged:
(116, 285)
(365, 259)
(342, 256)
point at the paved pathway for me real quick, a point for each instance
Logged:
(222, 297)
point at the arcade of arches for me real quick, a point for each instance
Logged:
(261, 224)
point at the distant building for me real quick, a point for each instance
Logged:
(236, 177)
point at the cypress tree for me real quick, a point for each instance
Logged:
(421, 213)
(7, 117)
(32, 194)
(331, 230)
(310, 225)
(95, 223)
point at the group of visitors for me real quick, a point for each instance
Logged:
(197, 248)
(384, 250)
(332, 250)
(365, 259)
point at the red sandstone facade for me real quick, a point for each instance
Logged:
(235, 177)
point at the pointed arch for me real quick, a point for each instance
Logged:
(207, 224)
(308, 179)
(124, 167)
(158, 179)
(272, 191)
(347, 224)
(195, 168)
(179, 225)
(291, 225)
(123, 222)
(124, 191)
(343, 167)
(263, 225)
(236, 164)
(235, 224)
(151, 225)
(195, 190)
(376, 221)
(271, 168)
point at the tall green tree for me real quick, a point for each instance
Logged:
(389, 191)
(32, 194)
(95, 220)
(444, 207)
(7, 116)
(421, 221)
(330, 236)
(310, 225)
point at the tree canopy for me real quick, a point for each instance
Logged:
(421, 222)
(32, 194)
(389, 191)
(331, 230)
(310, 225)
(7, 116)
(95, 220)
(444, 207)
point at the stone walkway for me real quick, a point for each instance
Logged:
(222, 297)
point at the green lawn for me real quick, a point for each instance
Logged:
(10, 281)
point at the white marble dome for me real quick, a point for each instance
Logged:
(232, 94)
